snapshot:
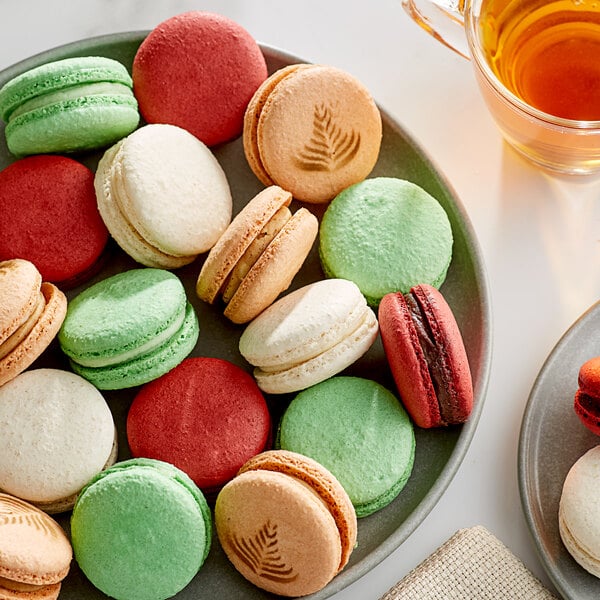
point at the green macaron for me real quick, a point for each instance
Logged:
(129, 329)
(358, 430)
(141, 530)
(386, 235)
(68, 105)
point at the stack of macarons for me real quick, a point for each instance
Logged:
(249, 434)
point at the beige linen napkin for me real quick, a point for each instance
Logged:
(471, 565)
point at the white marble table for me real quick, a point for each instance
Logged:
(539, 237)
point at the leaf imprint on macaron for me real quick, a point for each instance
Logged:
(330, 147)
(261, 554)
(16, 512)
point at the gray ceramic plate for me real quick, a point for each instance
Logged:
(438, 453)
(552, 438)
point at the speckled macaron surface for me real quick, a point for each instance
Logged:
(386, 235)
(56, 433)
(129, 328)
(358, 430)
(141, 530)
(68, 105)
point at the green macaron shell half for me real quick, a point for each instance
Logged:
(129, 329)
(68, 105)
(386, 235)
(358, 430)
(141, 530)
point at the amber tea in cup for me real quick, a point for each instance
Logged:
(547, 54)
(538, 67)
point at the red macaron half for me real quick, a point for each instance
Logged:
(49, 217)
(207, 417)
(427, 356)
(198, 70)
(587, 397)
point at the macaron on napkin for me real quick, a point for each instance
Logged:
(177, 345)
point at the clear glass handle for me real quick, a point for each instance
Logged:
(443, 19)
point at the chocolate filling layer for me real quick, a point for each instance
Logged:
(434, 355)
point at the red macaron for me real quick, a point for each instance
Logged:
(427, 356)
(587, 397)
(49, 216)
(198, 70)
(207, 417)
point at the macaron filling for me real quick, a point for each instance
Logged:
(146, 347)
(254, 251)
(434, 356)
(78, 91)
(23, 330)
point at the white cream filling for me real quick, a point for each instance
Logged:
(77, 91)
(152, 344)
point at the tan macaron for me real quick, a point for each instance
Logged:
(31, 313)
(312, 129)
(258, 255)
(286, 523)
(35, 553)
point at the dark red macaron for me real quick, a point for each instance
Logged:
(198, 70)
(49, 216)
(427, 356)
(207, 417)
(587, 397)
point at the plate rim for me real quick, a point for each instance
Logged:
(525, 443)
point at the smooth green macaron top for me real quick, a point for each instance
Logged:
(129, 328)
(358, 430)
(386, 235)
(141, 530)
(68, 105)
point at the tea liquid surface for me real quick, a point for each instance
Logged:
(547, 54)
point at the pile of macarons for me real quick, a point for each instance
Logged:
(110, 276)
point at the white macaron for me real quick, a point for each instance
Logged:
(56, 433)
(579, 511)
(163, 196)
(309, 335)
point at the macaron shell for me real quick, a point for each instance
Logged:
(121, 230)
(172, 189)
(324, 365)
(73, 125)
(198, 70)
(150, 365)
(34, 549)
(359, 431)
(150, 512)
(455, 396)
(20, 283)
(275, 269)
(278, 533)
(206, 417)
(236, 239)
(56, 433)
(49, 216)
(386, 235)
(40, 336)
(587, 408)
(579, 511)
(333, 133)
(321, 480)
(303, 324)
(252, 116)
(407, 361)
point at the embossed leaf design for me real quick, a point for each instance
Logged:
(13, 511)
(331, 146)
(261, 554)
